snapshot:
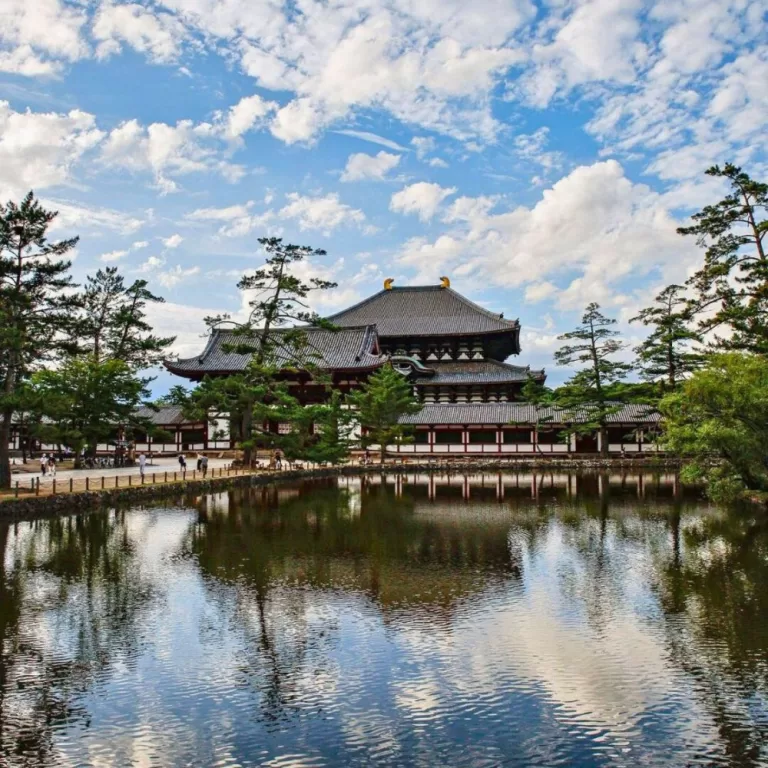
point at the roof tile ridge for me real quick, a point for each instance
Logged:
(486, 312)
(360, 303)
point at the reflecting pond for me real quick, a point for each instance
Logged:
(482, 620)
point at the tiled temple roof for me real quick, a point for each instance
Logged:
(477, 372)
(344, 349)
(428, 310)
(166, 414)
(518, 413)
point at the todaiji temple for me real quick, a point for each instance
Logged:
(452, 350)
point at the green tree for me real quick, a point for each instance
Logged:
(542, 398)
(84, 399)
(176, 395)
(379, 405)
(590, 395)
(113, 323)
(259, 395)
(334, 425)
(732, 285)
(667, 354)
(719, 420)
(37, 306)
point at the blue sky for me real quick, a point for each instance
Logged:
(540, 154)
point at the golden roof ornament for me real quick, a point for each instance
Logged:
(388, 283)
(445, 282)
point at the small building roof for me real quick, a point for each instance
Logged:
(166, 414)
(352, 348)
(477, 372)
(519, 413)
(424, 310)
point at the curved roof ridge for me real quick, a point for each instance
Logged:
(487, 312)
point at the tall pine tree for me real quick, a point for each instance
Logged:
(732, 286)
(590, 395)
(113, 324)
(280, 298)
(37, 306)
(668, 354)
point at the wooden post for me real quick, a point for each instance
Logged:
(87, 483)
(37, 488)
(130, 481)
(174, 477)
(71, 485)
(54, 486)
(153, 478)
(166, 477)
(102, 482)
(117, 481)
(17, 489)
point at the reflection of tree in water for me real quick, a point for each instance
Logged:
(70, 603)
(276, 553)
(713, 587)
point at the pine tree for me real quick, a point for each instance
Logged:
(666, 354)
(281, 298)
(732, 285)
(113, 322)
(380, 403)
(589, 395)
(37, 306)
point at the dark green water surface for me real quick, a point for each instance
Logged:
(497, 620)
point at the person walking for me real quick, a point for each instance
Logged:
(142, 465)
(199, 462)
(204, 465)
(52, 465)
(43, 464)
(182, 461)
(278, 459)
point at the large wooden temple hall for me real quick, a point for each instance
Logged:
(455, 354)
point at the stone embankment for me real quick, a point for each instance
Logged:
(67, 503)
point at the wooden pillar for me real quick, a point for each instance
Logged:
(499, 487)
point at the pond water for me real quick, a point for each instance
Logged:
(496, 620)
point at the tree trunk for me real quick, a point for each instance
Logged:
(5, 453)
(246, 434)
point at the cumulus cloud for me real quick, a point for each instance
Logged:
(249, 113)
(422, 199)
(37, 38)
(157, 35)
(39, 149)
(325, 212)
(361, 166)
(590, 231)
(174, 241)
(168, 151)
(112, 256)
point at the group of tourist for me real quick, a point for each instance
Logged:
(48, 465)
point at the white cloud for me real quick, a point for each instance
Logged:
(361, 166)
(325, 213)
(174, 241)
(112, 256)
(594, 228)
(431, 64)
(37, 37)
(422, 198)
(158, 35)
(168, 151)
(373, 138)
(249, 113)
(39, 149)
(139, 244)
(76, 218)
(237, 220)
(599, 41)
(152, 264)
(175, 275)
